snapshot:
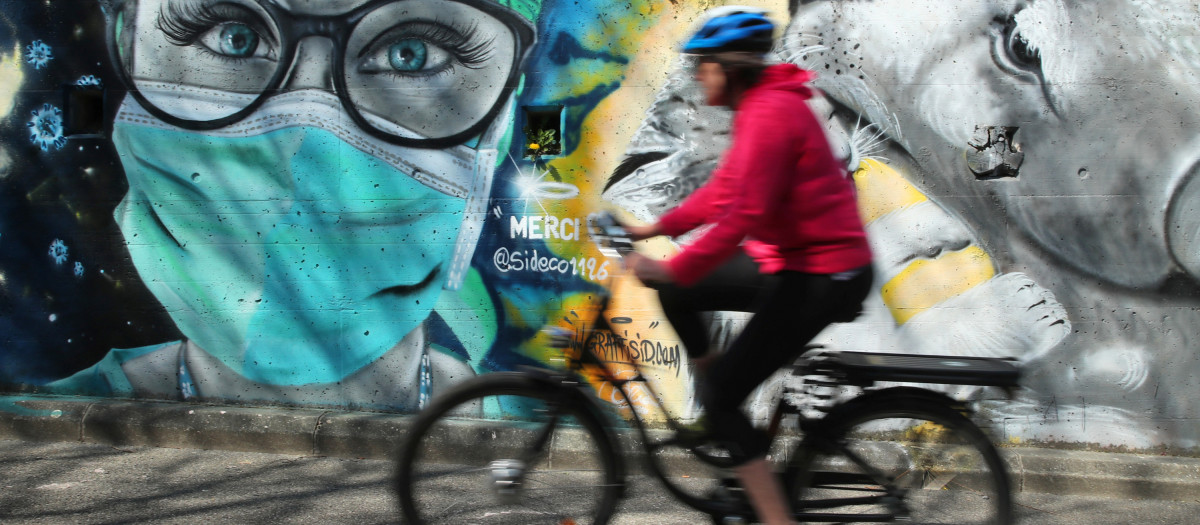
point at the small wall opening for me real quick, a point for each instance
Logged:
(83, 114)
(543, 131)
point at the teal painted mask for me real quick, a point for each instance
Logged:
(291, 246)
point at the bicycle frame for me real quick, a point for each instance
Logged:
(589, 362)
(835, 465)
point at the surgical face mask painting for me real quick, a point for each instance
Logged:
(304, 183)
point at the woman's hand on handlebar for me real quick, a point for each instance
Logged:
(649, 271)
(643, 231)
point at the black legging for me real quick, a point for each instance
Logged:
(790, 309)
(734, 286)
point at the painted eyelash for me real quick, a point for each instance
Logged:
(184, 24)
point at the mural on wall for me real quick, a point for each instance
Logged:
(1026, 171)
(360, 202)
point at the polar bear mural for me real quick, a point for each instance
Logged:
(1027, 170)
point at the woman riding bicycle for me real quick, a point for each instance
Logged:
(779, 198)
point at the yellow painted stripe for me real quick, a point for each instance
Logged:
(882, 190)
(927, 282)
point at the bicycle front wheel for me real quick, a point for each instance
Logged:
(508, 448)
(896, 455)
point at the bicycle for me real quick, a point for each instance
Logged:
(492, 448)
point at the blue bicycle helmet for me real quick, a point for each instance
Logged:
(735, 30)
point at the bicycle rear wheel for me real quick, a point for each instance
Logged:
(508, 448)
(899, 455)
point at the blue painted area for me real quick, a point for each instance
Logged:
(565, 48)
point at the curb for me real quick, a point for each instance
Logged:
(338, 433)
(1103, 474)
(275, 430)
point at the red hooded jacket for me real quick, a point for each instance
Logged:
(779, 187)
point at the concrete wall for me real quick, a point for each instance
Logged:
(1025, 170)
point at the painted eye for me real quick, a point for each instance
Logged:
(238, 40)
(1019, 54)
(1013, 52)
(408, 55)
(235, 40)
(1018, 50)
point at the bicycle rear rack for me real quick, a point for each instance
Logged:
(822, 378)
(867, 368)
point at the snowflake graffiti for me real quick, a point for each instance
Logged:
(58, 250)
(88, 80)
(39, 54)
(78, 269)
(46, 128)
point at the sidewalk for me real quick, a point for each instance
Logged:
(335, 433)
(51, 483)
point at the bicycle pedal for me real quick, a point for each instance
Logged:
(731, 498)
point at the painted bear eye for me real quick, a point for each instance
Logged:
(1013, 51)
(1019, 54)
(1019, 50)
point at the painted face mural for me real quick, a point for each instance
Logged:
(305, 178)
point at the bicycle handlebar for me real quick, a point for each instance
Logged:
(609, 235)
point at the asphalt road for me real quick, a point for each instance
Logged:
(53, 483)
